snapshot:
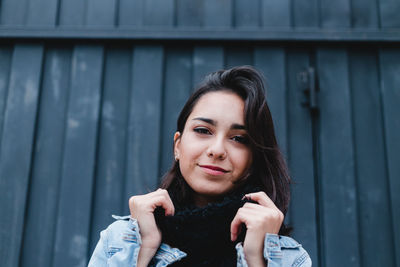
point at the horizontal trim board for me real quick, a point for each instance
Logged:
(286, 34)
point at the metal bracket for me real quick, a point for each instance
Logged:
(307, 83)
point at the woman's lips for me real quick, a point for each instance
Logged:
(213, 170)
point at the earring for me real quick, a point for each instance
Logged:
(176, 157)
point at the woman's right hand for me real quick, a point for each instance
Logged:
(142, 209)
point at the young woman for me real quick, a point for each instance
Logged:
(223, 201)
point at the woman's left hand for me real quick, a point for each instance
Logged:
(260, 219)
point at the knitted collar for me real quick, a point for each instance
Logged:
(203, 232)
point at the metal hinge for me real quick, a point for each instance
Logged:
(307, 83)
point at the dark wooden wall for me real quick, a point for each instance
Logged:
(339, 20)
(90, 92)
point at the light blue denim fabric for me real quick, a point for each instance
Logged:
(119, 245)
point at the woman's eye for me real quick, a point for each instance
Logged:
(240, 139)
(202, 130)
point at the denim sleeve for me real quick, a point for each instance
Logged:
(279, 251)
(166, 255)
(119, 245)
(284, 251)
(99, 258)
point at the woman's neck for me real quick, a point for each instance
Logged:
(202, 201)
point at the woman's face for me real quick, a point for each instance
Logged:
(213, 149)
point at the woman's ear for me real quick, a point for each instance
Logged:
(177, 141)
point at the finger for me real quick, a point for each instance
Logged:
(254, 213)
(235, 227)
(260, 209)
(262, 199)
(171, 209)
(254, 206)
(236, 224)
(260, 217)
(165, 202)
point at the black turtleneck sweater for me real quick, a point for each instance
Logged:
(203, 233)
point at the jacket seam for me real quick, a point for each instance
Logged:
(300, 259)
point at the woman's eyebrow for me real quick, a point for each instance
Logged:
(234, 126)
(209, 121)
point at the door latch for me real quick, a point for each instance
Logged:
(307, 83)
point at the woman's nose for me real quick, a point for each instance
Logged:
(217, 149)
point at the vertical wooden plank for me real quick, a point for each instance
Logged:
(42, 12)
(131, 12)
(144, 121)
(337, 177)
(276, 13)
(217, 13)
(271, 62)
(101, 12)
(389, 63)
(335, 14)
(178, 80)
(373, 188)
(301, 162)
(110, 166)
(16, 147)
(206, 59)
(72, 12)
(247, 13)
(71, 243)
(163, 15)
(5, 65)
(365, 13)
(305, 13)
(44, 185)
(189, 13)
(13, 12)
(238, 55)
(389, 13)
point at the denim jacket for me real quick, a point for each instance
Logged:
(119, 245)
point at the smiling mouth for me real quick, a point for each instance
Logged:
(213, 170)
